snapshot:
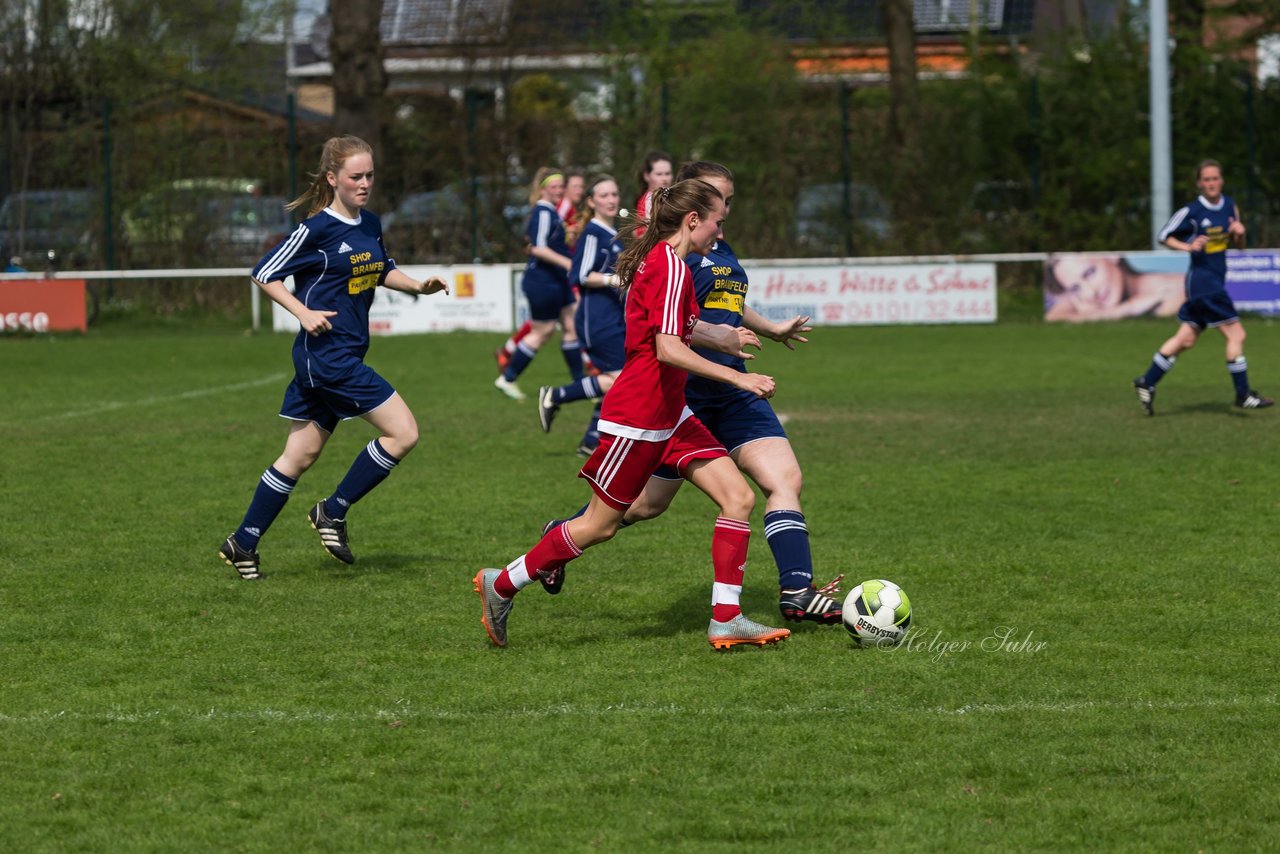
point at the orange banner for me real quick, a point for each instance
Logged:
(42, 305)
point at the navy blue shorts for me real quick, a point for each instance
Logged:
(1208, 311)
(360, 393)
(734, 420)
(546, 296)
(605, 343)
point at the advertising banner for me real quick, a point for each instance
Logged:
(42, 305)
(479, 299)
(1107, 286)
(866, 295)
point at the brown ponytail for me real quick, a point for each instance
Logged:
(670, 207)
(336, 150)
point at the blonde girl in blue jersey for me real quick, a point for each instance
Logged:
(1205, 228)
(545, 284)
(336, 258)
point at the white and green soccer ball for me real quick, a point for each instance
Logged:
(877, 613)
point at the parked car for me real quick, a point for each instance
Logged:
(820, 219)
(436, 226)
(216, 222)
(999, 217)
(35, 223)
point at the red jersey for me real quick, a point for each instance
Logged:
(647, 400)
(643, 204)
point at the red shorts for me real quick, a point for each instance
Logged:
(620, 467)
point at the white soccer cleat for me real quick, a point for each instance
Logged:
(742, 630)
(508, 387)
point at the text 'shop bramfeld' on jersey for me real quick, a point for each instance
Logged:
(720, 286)
(1208, 273)
(336, 263)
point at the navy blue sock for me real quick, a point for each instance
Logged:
(1240, 376)
(586, 388)
(572, 352)
(520, 360)
(788, 538)
(1160, 365)
(268, 500)
(370, 468)
(591, 437)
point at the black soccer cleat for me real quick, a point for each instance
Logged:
(1253, 400)
(1146, 395)
(552, 581)
(333, 534)
(808, 604)
(547, 407)
(245, 561)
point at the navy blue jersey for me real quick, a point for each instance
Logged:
(1208, 273)
(597, 251)
(720, 286)
(601, 317)
(546, 229)
(335, 263)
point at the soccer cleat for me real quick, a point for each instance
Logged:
(493, 608)
(1146, 395)
(1253, 400)
(809, 604)
(552, 581)
(333, 533)
(508, 387)
(244, 560)
(547, 407)
(585, 450)
(502, 357)
(741, 630)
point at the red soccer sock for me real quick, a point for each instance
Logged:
(729, 557)
(554, 550)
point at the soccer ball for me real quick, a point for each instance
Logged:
(877, 613)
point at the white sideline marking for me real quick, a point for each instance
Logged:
(406, 711)
(168, 398)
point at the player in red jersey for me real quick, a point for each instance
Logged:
(654, 174)
(645, 423)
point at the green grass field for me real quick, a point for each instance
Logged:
(1003, 475)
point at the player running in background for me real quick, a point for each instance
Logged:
(545, 285)
(1205, 227)
(600, 319)
(655, 172)
(337, 258)
(645, 424)
(574, 190)
(746, 425)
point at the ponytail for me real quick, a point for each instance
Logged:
(670, 207)
(335, 152)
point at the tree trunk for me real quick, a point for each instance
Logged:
(359, 78)
(900, 34)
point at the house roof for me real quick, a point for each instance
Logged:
(445, 25)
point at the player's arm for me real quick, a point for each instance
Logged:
(312, 321)
(672, 351)
(399, 281)
(1236, 229)
(1181, 223)
(540, 249)
(1196, 244)
(784, 333)
(546, 253)
(725, 338)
